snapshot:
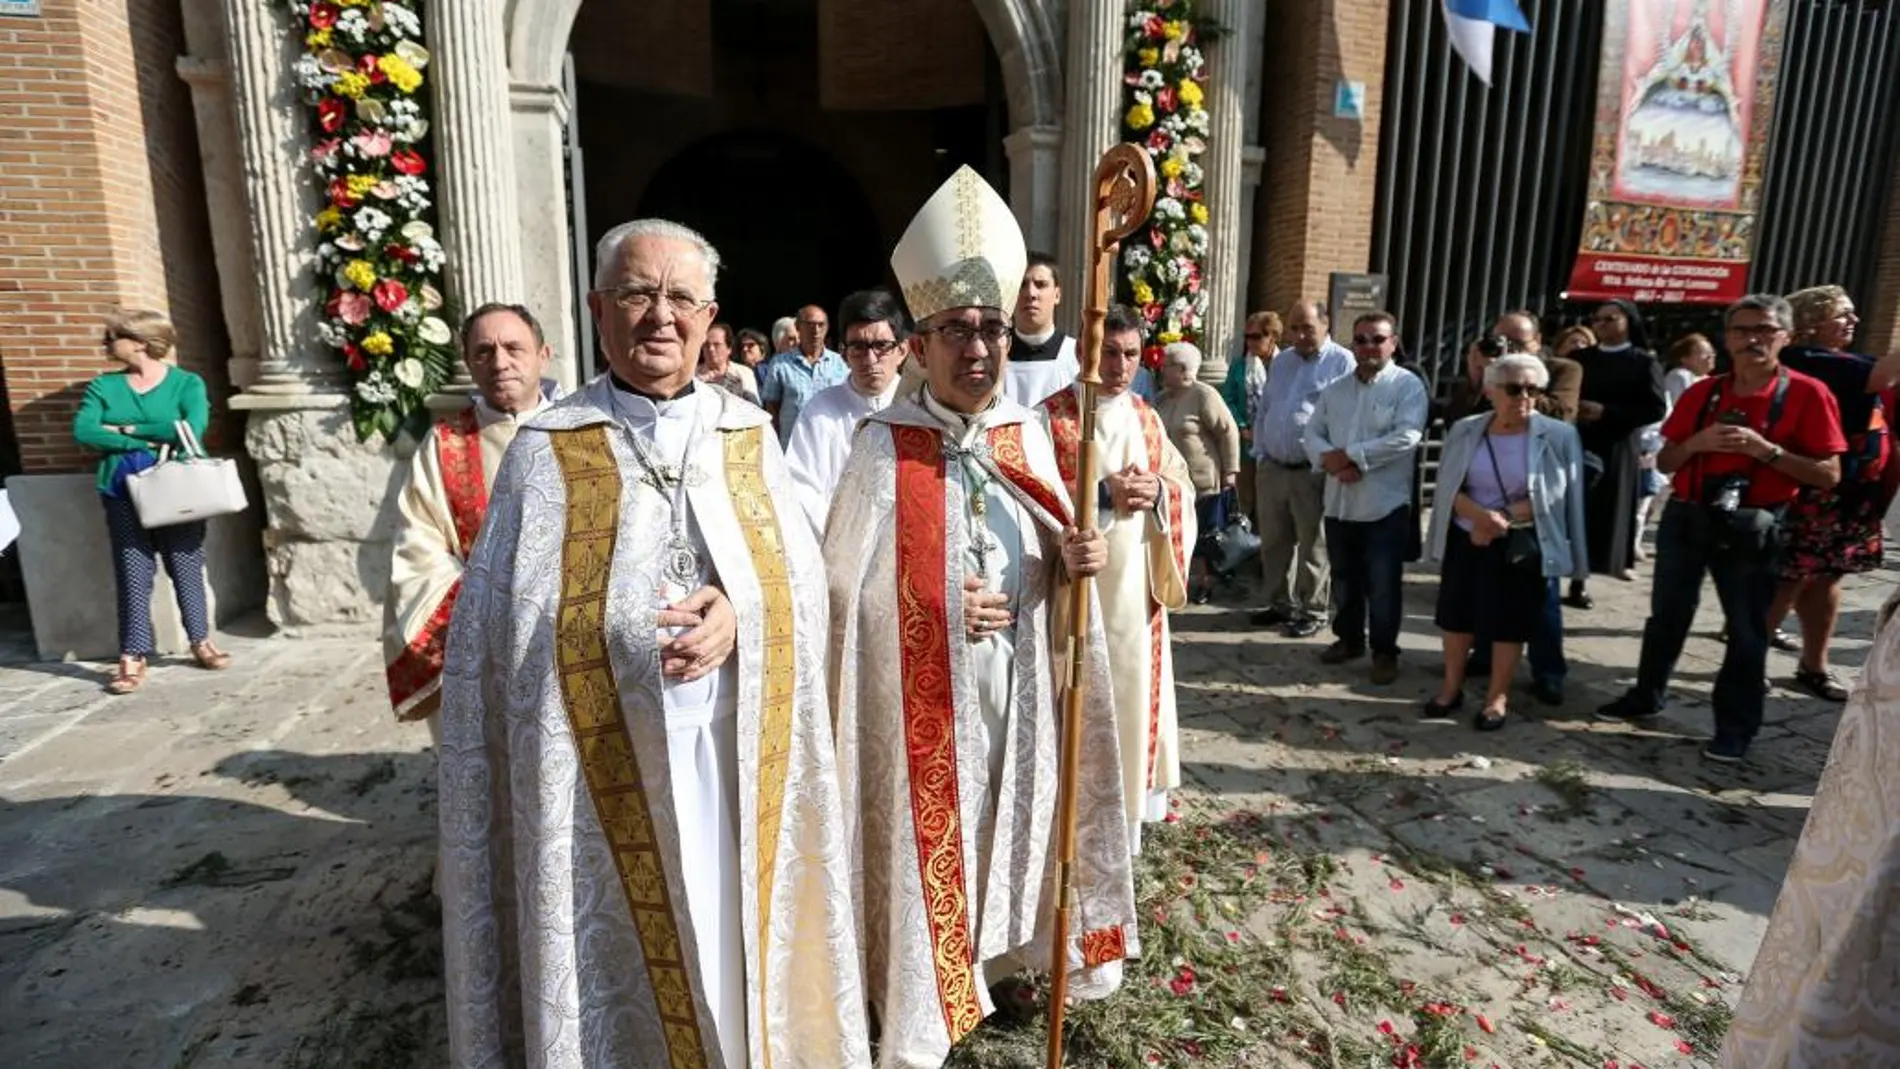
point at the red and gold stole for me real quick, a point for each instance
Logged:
(458, 445)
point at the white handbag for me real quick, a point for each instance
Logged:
(185, 486)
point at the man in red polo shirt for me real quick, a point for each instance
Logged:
(1740, 446)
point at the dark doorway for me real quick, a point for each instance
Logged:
(792, 225)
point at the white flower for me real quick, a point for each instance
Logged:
(1193, 175)
(310, 74)
(1169, 208)
(1136, 257)
(402, 21)
(416, 230)
(412, 193)
(434, 331)
(410, 372)
(354, 23)
(1151, 79)
(410, 311)
(1198, 233)
(335, 335)
(371, 223)
(1137, 19)
(375, 389)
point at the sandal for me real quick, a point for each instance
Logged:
(1784, 642)
(1822, 683)
(1487, 721)
(130, 678)
(210, 657)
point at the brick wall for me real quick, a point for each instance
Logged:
(103, 205)
(1319, 182)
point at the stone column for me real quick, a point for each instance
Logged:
(539, 117)
(1035, 155)
(475, 170)
(1092, 99)
(1229, 62)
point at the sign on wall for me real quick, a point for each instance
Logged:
(1349, 296)
(1685, 99)
(19, 7)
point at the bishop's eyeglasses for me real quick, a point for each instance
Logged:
(640, 299)
(962, 334)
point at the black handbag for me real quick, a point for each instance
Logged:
(1521, 548)
(1233, 543)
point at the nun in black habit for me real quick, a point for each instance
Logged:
(1622, 392)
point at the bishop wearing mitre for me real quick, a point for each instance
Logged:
(1147, 505)
(439, 509)
(643, 848)
(949, 541)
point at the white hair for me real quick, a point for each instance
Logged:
(607, 253)
(1532, 367)
(782, 326)
(1188, 355)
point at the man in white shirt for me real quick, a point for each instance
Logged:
(1288, 492)
(874, 334)
(1364, 436)
(1042, 360)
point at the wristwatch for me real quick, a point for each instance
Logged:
(1774, 454)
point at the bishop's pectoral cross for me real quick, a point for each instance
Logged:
(976, 481)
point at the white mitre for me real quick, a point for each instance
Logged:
(964, 249)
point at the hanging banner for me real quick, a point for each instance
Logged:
(1685, 99)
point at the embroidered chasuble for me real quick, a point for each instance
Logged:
(1146, 578)
(638, 871)
(948, 748)
(438, 513)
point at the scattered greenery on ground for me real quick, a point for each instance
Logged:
(1566, 780)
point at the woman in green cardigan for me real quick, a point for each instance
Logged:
(127, 415)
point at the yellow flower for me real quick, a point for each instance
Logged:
(401, 74)
(1174, 30)
(318, 38)
(1190, 92)
(353, 3)
(361, 184)
(1147, 57)
(1198, 213)
(1168, 337)
(329, 219)
(1140, 117)
(1144, 294)
(378, 344)
(360, 274)
(1171, 167)
(351, 84)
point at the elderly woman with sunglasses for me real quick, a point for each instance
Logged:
(127, 414)
(1507, 523)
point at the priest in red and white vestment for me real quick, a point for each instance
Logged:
(1147, 505)
(949, 540)
(440, 508)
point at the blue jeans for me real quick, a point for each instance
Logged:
(1368, 562)
(1745, 583)
(1545, 650)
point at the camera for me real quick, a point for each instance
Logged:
(1724, 493)
(1492, 346)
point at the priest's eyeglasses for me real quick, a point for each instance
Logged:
(962, 334)
(640, 299)
(880, 347)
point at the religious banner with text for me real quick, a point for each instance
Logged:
(1685, 101)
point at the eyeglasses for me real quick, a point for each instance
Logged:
(881, 347)
(641, 300)
(108, 339)
(1762, 331)
(1521, 389)
(962, 334)
(1371, 339)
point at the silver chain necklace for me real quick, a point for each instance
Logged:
(679, 559)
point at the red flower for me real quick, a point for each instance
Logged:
(408, 161)
(1661, 1020)
(340, 194)
(1152, 26)
(1165, 100)
(366, 65)
(330, 114)
(323, 16)
(355, 355)
(1183, 982)
(1485, 1023)
(402, 254)
(390, 295)
(1160, 141)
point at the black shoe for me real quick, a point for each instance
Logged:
(1270, 617)
(1548, 691)
(1579, 598)
(1306, 627)
(1822, 684)
(1784, 642)
(1337, 653)
(1627, 709)
(1385, 669)
(1483, 720)
(1725, 751)
(1437, 710)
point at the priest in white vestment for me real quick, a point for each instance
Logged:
(643, 852)
(949, 540)
(1147, 509)
(439, 509)
(874, 332)
(1042, 358)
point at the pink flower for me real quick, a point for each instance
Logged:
(324, 152)
(374, 144)
(349, 307)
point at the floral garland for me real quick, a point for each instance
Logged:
(379, 265)
(1162, 275)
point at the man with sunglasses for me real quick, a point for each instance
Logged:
(1740, 447)
(874, 334)
(1364, 435)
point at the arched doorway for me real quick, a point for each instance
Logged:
(792, 225)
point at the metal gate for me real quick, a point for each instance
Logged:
(1481, 191)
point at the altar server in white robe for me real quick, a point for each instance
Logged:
(444, 495)
(1042, 358)
(643, 848)
(1147, 509)
(949, 541)
(874, 332)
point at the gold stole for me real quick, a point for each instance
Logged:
(591, 696)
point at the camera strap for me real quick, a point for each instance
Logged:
(1776, 404)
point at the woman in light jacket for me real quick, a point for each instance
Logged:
(1508, 480)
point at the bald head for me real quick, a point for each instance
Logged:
(812, 326)
(1306, 327)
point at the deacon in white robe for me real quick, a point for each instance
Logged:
(874, 333)
(948, 543)
(1042, 359)
(643, 848)
(1147, 514)
(445, 494)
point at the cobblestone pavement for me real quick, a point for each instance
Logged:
(233, 869)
